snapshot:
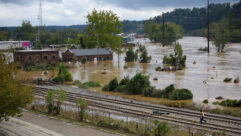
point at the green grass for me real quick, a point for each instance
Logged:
(87, 85)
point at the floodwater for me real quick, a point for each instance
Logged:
(227, 64)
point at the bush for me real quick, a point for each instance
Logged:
(219, 98)
(86, 85)
(203, 49)
(68, 77)
(236, 80)
(158, 68)
(157, 93)
(92, 84)
(227, 79)
(138, 84)
(180, 94)
(106, 88)
(144, 57)
(231, 103)
(148, 91)
(205, 101)
(131, 55)
(58, 79)
(125, 81)
(120, 88)
(168, 90)
(113, 84)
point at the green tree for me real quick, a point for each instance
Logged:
(144, 58)
(161, 128)
(152, 30)
(63, 74)
(25, 32)
(13, 95)
(82, 105)
(138, 84)
(220, 34)
(113, 84)
(102, 30)
(61, 97)
(50, 101)
(178, 60)
(131, 55)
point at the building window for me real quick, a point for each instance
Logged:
(53, 57)
(19, 58)
(29, 58)
(37, 59)
(45, 57)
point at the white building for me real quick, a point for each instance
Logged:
(5, 45)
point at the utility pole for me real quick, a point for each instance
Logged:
(163, 30)
(208, 23)
(40, 20)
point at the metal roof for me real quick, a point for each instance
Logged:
(91, 52)
(34, 50)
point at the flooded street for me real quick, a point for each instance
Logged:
(227, 64)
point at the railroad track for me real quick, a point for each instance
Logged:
(121, 106)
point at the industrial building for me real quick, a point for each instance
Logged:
(89, 54)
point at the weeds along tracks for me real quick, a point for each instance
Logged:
(101, 103)
(215, 117)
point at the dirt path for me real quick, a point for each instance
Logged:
(31, 124)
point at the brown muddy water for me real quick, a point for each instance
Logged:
(227, 64)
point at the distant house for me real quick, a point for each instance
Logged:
(89, 54)
(37, 56)
(5, 45)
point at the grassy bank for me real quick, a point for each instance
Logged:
(99, 122)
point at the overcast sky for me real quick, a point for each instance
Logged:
(73, 12)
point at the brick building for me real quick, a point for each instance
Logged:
(89, 54)
(37, 56)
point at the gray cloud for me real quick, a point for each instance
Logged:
(21, 2)
(139, 4)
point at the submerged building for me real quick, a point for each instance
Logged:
(89, 54)
(36, 56)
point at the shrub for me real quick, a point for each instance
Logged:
(113, 84)
(148, 91)
(58, 79)
(203, 49)
(231, 103)
(131, 55)
(125, 81)
(144, 57)
(92, 84)
(86, 85)
(138, 84)
(158, 68)
(68, 77)
(180, 94)
(205, 101)
(106, 88)
(157, 93)
(179, 60)
(120, 88)
(219, 98)
(227, 79)
(169, 89)
(236, 80)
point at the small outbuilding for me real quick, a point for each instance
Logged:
(89, 54)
